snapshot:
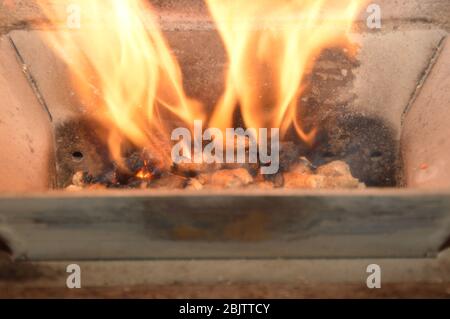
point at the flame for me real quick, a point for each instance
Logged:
(271, 45)
(144, 174)
(125, 73)
(119, 59)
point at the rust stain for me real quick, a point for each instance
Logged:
(189, 232)
(247, 227)
(253, 227)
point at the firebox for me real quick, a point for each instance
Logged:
(89, 120)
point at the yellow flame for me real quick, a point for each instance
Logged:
(122, 65)
(119, 58)
(271, 44)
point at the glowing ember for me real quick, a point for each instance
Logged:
(145, 172)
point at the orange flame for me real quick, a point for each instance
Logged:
(271, 44)
(144, 174)
(125, 73)
(119, 59)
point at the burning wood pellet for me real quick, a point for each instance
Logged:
(334, 169)
(227, 178)
(169, 181)
(336, 174)
(141, 173)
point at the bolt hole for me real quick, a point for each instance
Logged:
(376, 154)
(77, 156)
(328, 155)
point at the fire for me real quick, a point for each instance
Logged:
(271, 45)
(125, 73)
(144, 174)
(119, 59)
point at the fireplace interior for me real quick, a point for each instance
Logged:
(383, 113)
(372, 132)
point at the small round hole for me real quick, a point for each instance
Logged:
(328, 155)
(77, 156)
(376, 154)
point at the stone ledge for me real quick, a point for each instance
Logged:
(231, 278)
